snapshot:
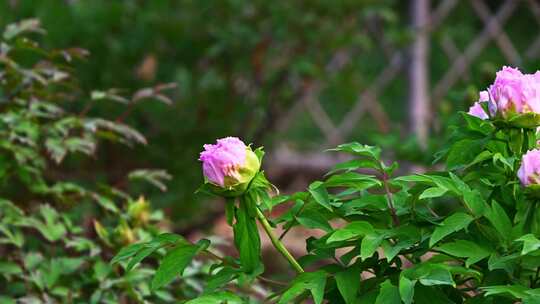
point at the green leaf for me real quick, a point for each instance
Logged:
(222, 277)
(142, 250)
(320, 195)
(433, 192)
(246, 238)
(406, 288)
(391, 251)
(432, 295)
(389, 294)
(352, 180)
(506, 161)
(314, 220)
(355, 164)
(529, 120)
(352, 230)
(348, 283)
(515, 142)
(465, 249)
(435, 274)
(156, 178)
(485, 155)
(530, 243)
(9, 268)
(516, 291)
(453, 223)
(464, 152)
(359, 150)
(105, 202)
(507, 263)
(174, 263)
(315, 282)
(500, 220)
(474, 201)
(141, 255)
(101, 270)
(479, 125)
(222, 297)
(229, 210)
(6, 300)
(369, 244)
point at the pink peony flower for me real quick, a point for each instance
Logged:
(529, 171)
(514, 93)
(477, 110)
(229, 162)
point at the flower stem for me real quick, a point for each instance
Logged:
(277, 243)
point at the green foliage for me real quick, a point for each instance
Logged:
(467, 234)
(58, 229)
(239, 66)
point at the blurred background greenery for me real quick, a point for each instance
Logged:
(240, 66)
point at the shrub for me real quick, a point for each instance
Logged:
(466, 234)
(59, 228)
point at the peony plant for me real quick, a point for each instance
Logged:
(466, 234)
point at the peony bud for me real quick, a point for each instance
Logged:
(529, 172)
(229, 165)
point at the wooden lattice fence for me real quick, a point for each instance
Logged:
(424, 93)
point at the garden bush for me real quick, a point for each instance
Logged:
(59, 227)
(465, 234)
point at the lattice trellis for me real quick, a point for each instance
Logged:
(367, 102)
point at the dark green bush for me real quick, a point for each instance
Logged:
(60, 225)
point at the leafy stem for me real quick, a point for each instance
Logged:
(277, 243)
(291, 225)
(225, 262)
(384, 179)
